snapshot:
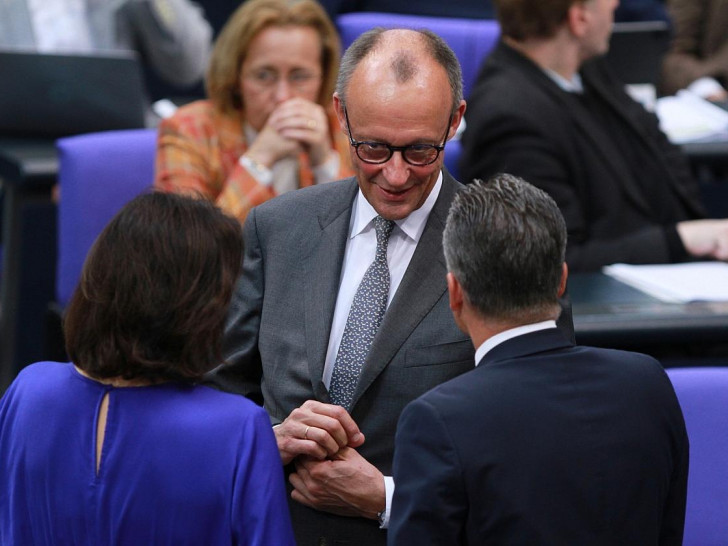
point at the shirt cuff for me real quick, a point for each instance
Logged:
(257, 170)
(705, 87)
(388, 491)
(328, 171)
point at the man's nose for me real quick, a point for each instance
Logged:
(396, 170)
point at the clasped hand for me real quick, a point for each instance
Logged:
(296, 125)
(316, 430)
(330, 474)
(345, 484)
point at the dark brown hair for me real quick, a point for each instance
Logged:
(524, 19)
(154, 291)
(222, 81)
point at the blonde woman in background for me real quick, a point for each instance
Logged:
(267, 126)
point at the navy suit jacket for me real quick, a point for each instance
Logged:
(543, 443)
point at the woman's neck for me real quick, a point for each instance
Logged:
(117, 381)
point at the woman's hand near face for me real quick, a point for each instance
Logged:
(304, 122)
(295, 125)
(271, 146)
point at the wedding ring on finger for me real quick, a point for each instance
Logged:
(311, 124)
(305, 433)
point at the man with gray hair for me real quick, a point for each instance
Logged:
(341, 314)
(543, 442)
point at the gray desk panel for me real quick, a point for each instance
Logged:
(608, 312)
(28, 170)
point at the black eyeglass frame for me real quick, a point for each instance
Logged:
(401, 149)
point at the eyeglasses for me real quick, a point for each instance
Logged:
(377, 153)
(268, 78)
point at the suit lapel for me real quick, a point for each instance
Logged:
(322, 273)
(422, 286)
(591, 74)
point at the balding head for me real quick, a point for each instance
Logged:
(393, 91)
(400, 54)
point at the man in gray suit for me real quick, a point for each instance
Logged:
(398, 99)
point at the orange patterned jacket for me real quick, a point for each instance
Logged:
(198, 150)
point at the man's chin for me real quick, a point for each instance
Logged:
(393, 213)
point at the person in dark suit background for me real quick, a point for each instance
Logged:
(543, 442)
(398, 99)
(547, 108)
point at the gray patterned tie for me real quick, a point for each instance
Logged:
(365, 315)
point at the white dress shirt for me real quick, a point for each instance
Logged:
(574, 85)
(361, 247)
(497, 339)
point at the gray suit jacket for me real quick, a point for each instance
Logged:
(171, 36)
(280, 319)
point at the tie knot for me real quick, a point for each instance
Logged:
(383, 228)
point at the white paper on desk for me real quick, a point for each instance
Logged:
(685, 117)
(676, 283)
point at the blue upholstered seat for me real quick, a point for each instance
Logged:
(703, 396)
(98, 173)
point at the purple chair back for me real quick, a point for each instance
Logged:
(471, 39)
(703, 396)
(452, 151)
(98, 174)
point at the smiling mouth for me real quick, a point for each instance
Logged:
(394, 194)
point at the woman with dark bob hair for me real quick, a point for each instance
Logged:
(124, 446)
(268, 125)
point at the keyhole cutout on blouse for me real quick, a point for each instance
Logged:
(101, 429)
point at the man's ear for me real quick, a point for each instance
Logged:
(564, 276)
(455, 293)
(339, 109)
(576, 19)
(457, 118)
